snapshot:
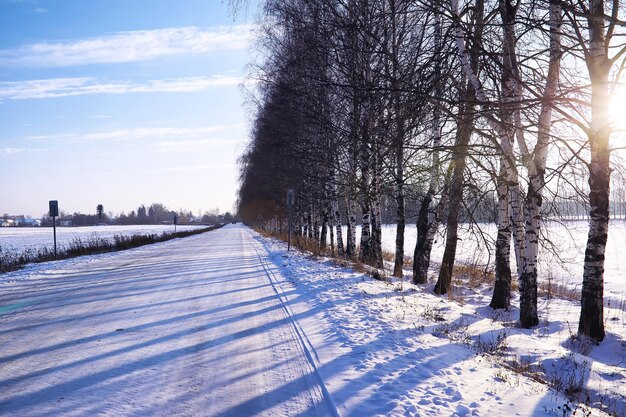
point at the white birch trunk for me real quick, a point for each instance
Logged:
(376, 242)
(426, 228)
(504, 132)
(537, 167)
(337, 216)
(592, 310)
(351, 235)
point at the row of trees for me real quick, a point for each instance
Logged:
(155, 213)
(453, 104)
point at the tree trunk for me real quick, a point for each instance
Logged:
(510, 210)
(427, 229)
(536, 170)
(324, 231)
(421, 257)
(331, 229)
(377, 218)
(316, 226)
(592, 309)
(337, 215)
(398, 143)
(351, 235)
(305, 225)
(502, 287)
(464, 133)
(426, 236)
(591, 322)
(400, 225)
(365, 252)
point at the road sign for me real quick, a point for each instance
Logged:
(54, 212)
(291, 197)
(54, 208)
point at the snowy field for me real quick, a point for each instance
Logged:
(18, 239)
(561, 260)
(247, 328)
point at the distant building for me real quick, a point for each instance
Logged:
(65, 222)
(29, 222)
(8, 223)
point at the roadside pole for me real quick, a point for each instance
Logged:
(291, 194)
(54, 212)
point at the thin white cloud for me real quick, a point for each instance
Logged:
(132, 46)
(192, 168)
(11, 151)
(40, 10)
(64, 87)
(165, 170)
(191, 145)
(120, 135)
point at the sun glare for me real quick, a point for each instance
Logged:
(617, 108)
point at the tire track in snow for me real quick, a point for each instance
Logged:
(299, 334)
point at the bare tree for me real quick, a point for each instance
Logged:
(100, 211)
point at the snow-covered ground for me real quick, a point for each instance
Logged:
(561, 258)
(188, 327)
(427, 355)
(18, 239)
(228, 323)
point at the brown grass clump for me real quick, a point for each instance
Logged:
(550, 290)
(472, 276)
(388, 256)
(391, 257)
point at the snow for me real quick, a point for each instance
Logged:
(560, 261)
(187, 327)
(19, 239)
(422, 354)
(229, 323)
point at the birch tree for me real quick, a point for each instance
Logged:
(465, 127)
(597, 48)
(426, 226)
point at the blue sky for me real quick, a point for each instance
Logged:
(120, 103)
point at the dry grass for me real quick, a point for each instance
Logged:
(456, 294)
(550, 290)
(313, 247)
(303, 243)
(472, 276)
(391, 257)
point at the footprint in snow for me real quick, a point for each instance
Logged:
(453, 394)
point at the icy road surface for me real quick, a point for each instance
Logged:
(190, 327)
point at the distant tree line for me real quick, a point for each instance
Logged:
(454, 110)
(155, 213)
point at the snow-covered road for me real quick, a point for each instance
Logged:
(194, 327)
